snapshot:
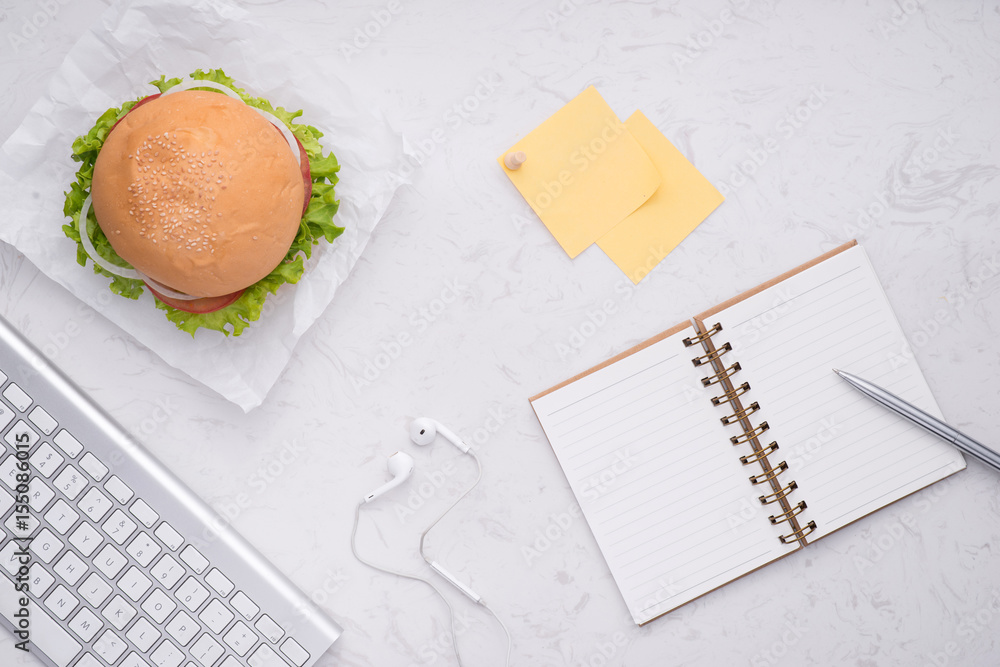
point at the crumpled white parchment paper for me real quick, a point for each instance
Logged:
(131, 44)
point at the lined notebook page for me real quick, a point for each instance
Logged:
(849, 455)
(668, 501)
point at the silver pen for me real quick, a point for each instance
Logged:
(971, 447)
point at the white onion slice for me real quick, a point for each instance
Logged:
(88, 246)
(166, 291)
(188, 84)
(121, 271)
(289, 137)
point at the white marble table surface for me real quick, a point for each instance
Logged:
(808, 113)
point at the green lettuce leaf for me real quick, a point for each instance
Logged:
(316, 224)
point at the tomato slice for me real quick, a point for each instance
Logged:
(148, 98)
(208, 304)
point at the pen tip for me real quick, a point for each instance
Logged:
(836, 371)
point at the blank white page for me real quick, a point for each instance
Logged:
(848, 455)
(670, 504)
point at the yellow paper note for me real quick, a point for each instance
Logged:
(684, 199)
(584, 172)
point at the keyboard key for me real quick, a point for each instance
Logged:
(143, 549)
(17, 397)
(65, 441)
(119, 612)
(118, 490)
(95, 504)
(46, 546)
(170, 537)
(39, 494)
(94, 468)
(21, 434)
(85, 624)
(110, 561)
(158, 605)
(240, 638)
(216, 616)
(88, 660)
(6, 415)
(110, 647)
(143, 635)
(295, 652)
(132, 660)
(119, 527)
(39, 580)
(144, 513)
(193, 557)
(218, 581)
(269, 629)
(134, 584)
(61, 602)
(206, 650)
(183, 628)
(86, 539)
(244, 605)
(70, 568)
(10, 557)
(8, 471)
(167, 655)
(43, 420)
(265, 656)
(47, 635)
(46, 460)
(71, 482)
(230, 661)
(191, 594)
(95, 590)
(167, 571)
(6, 502)
(61, 517)
(22, 527)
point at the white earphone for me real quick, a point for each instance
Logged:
(400, 466)
(423, 431)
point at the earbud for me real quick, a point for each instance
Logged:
(400, 466)
(424, 430)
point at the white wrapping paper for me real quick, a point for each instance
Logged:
(131, 44)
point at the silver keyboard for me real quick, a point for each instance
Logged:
(114, 561)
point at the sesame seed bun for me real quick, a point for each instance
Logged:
(199, 192)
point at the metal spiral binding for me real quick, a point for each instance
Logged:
(798, 534)
(721, 375)
(741, 414)
(757, 456)
(779, 494)
(730, 397)
(786, 516)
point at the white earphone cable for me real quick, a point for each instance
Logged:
(451, 610)
(423, 535)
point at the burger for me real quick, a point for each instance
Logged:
(204, 195)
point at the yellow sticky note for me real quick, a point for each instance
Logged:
(684, 199)
(584, 172)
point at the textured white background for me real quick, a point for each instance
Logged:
(916, 584)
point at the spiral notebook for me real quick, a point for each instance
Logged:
(726, 443)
